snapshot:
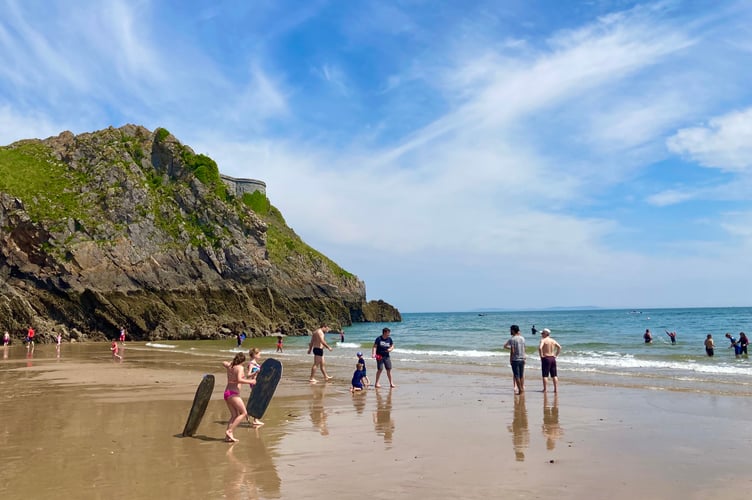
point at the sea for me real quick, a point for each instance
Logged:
(599, 347)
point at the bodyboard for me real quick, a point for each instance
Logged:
(200, 402)
(266, 384)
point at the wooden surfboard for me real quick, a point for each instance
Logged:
(200, 402)
(266, 384)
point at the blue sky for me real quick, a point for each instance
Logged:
(454, 155)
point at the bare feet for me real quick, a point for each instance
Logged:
(393, 385)
(377, 386)
(328, 378)
(257, 423)
(229, 438)
(312, 381)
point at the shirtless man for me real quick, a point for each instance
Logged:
(548, 350)
(317, 344)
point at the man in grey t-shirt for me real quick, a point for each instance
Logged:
(516, 346)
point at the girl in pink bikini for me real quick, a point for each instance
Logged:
(235, 377)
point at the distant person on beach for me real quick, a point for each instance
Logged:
(122, 334)
(365, 370)
(709, 345)
(237, 409)
(115, 350)
(549, 349)
(382, 347)
(533, 330)
(316, 345)
(516, 347)
(735, 345)
(672, 336)
(358, 376)
(6, 338)
(30, 337)
(342, 336)
(648, 336)
(59, 340)
(279, 343)
(743, 343)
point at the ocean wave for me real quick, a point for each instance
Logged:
(160, 346)
(453, 353)
(630, 362)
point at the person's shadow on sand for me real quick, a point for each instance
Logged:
(552, 431)
(382, 417)
(519, 430)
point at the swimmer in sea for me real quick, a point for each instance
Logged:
(235, 377)
(709, 345)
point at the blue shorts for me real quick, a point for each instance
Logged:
(518, 368)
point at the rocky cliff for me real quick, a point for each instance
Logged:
(129, 227)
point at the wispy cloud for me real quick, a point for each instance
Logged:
(725, 142)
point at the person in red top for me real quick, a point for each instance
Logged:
(30, 337)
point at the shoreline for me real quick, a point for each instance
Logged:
(96, 427)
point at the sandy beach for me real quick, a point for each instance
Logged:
(83, 426)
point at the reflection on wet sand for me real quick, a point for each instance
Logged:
(359, 401)
(551, 429)
(251, 474)
(318, 411)
(382, 417)
(519, 430)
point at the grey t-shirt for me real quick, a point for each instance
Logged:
(517, 344)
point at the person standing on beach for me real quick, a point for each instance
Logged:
(709, 345)
(6, 338)
(122, 335)
(516, 346)
(234, 403)
(549, 349)
(279, 343)
(382, 347)
(316, 345)
(648, 336)
(254, 354)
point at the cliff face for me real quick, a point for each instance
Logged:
(128, 227)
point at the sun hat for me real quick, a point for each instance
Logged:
(546, 330)
(360, 354)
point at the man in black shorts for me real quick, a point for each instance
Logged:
(382, 346)
(317, 344)
(549, 349)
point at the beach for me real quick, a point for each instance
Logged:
(84, 426)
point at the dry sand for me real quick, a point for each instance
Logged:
(83, 426)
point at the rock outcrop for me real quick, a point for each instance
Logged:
(128, 227)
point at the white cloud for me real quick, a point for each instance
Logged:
(724, 143)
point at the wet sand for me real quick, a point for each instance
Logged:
(83, 426)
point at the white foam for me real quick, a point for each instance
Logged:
(160, 346)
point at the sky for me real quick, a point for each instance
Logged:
(454, 155)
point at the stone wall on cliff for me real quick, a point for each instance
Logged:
(129, 227)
